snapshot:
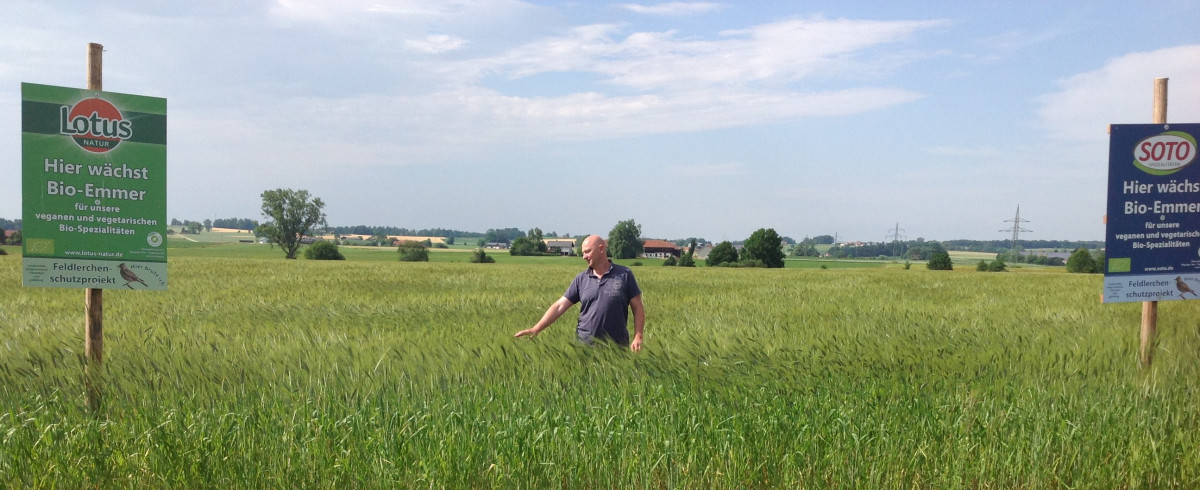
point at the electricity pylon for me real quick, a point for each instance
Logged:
(895, 236)
(1016, 232)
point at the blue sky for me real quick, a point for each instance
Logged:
(707, 119)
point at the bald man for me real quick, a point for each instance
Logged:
(608, 291)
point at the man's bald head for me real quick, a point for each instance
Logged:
(596, 242)
(595, 252)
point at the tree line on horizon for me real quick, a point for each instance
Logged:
(507, 235)
(919, 249)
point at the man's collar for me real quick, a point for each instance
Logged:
(592, 271)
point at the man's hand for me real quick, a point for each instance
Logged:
(639, 322)
(552, 313)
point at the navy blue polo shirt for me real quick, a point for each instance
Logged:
(604, 312)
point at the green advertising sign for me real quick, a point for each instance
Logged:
(94, 187)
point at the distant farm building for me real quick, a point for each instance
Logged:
(561, 247)
(660, 249)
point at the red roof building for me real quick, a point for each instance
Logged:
(660, 249)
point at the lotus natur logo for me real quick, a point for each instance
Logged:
(95, 124)
(1165, 153)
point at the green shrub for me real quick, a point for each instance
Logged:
(997, 266)
(723, 253)
(323, 250)
(669, 262)
(940, 261)
(412, 252)
(481, 257)
(686, 261)
(1081, 261)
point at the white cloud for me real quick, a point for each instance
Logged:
(672, 8)
(334, 10)
(580, 50)
(1012, 43)
(772, 54)
(591, 115)
(654, 83)
(1121, 92)
(436, 43)
(384, 130)
(487, 22)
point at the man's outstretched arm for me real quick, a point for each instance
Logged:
(639, 322)
(556, 310)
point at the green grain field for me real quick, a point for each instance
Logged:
(252, 371)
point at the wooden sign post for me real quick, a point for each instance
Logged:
(1150, 308)
(93, 343)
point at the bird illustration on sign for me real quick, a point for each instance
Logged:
(1183, 287)
(130, 277)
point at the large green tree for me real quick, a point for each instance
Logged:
(291, 215)
(539, 243)
(723, 253)
(764, 245)
(506, 235)
(806, 248)
(523, 246)
(688, 258)
(625, 240)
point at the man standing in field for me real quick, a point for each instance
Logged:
(608, 291)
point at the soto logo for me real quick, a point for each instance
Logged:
(95, 124)
(1165, 153)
